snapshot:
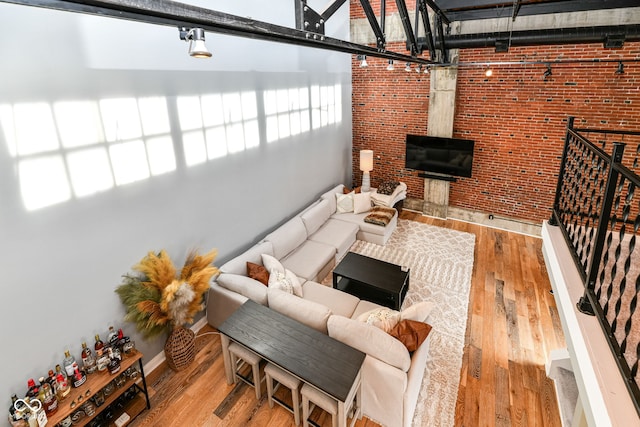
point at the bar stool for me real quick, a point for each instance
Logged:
(246, 356)
(320, 399)
(271, 373)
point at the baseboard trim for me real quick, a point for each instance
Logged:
(155, 362)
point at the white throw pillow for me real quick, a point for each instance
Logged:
(361, 202)
(271, 263)
(418, 311)
(344, 202)
(286, 281)
(383, 318)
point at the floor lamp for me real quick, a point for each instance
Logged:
(366, 166)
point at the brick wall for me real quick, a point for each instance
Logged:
(516, 118)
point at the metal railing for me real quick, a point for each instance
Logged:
(597, 206)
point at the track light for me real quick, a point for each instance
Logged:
(426, 69)
(620, 69)
(195, 37)
(488, 72)
(390, 67)
(547, 73)
(363, 61)
(419, 68)
(407, 68)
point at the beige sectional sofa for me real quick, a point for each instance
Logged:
(309, 244)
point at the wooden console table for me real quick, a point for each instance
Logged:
(315, 358)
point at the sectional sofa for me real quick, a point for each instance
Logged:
(309, 244)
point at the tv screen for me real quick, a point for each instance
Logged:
(448, 156)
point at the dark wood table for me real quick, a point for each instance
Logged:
(372, 280)
(315, 358)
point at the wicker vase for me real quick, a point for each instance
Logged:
(180, 348)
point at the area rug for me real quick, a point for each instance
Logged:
(441, 262)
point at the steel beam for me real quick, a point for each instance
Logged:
(422, 7)
(406, 24)
(169, 13)
(371, 16)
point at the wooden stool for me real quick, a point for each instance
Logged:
(236, 351)
(320, 399)
(271, 373)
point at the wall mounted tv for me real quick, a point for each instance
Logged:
(436, 154)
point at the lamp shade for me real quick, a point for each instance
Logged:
(198, 49)
(366, 160)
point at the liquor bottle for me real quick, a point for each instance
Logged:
(68, 363)
(32, 389)
(17, 417)
(114, 362)
(112, 336)
(62, 386)
(78, 378)
(101, 358)
(51, 379)
(47, 397)
(88, 361)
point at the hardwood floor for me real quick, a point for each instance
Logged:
(512, 325)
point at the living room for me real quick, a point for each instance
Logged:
(78, 86)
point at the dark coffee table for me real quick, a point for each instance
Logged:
(372, 280)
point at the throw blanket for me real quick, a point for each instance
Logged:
(380, 215)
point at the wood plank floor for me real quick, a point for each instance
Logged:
(512, 325)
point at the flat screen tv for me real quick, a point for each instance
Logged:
(450, 156)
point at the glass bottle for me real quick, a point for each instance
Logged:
(47, 397)
(78, 377)
(68, 363)
(101, 358)
(62, 386)
(32, 389)
(88, 361)
(114, 362)
(112, 336)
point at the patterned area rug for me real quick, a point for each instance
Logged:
(441, 263)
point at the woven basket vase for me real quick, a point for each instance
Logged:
(180, 348)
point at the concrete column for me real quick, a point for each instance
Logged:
(442, 105)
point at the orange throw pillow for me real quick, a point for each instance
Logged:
(258, 272)
(411, 333)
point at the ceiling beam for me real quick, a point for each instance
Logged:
(170, 13)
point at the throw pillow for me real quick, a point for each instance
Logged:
(418, 311)
(383, 318)
(388, 187)
(344, 202)
(361, 202)
(258, 273)
(271, 263)
(279, 280)
(411, 333)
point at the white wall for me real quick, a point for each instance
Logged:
(61, 260)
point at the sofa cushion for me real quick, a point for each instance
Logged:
(309, 259)
(411, 333)
(361, 202)
(287, 237)
(245, 286)
(371, 340)
(339, 234)
(258, 272)
(362, 307)
(238, 265)
(316, 216)
(358, 219)
(338, 302)
(310, 313)
(330, 196)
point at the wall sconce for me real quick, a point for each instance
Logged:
(363, 61)
(620, 69)
(195, 37)
(390, 67)
(547, 73)
(366, 166)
